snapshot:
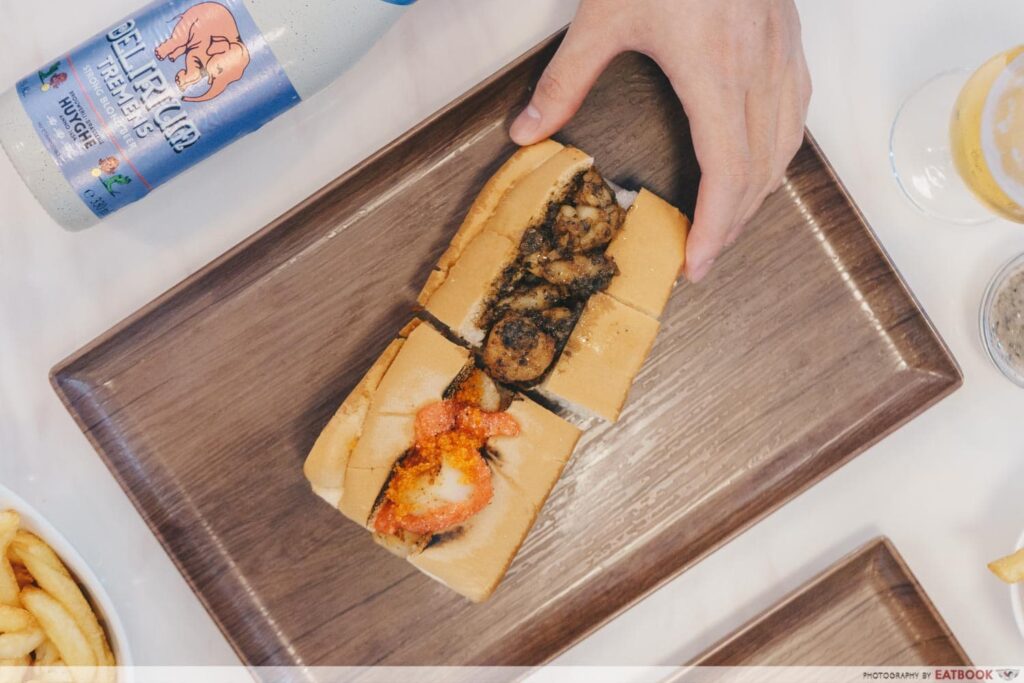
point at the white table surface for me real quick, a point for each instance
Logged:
(947, 488)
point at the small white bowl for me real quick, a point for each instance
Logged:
(992, 345)
(1017, 597)
(37, 524)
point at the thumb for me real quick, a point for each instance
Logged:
(582, 56)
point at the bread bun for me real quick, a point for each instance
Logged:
(410, 373)
(353, 458)
(473, 558)
(613, 337)
(524, 161)
(327, 460)
(465, 280)
(650, 251)
(606, 350)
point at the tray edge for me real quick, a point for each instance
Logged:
(880, 545)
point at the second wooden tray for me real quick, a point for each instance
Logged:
(867, 610)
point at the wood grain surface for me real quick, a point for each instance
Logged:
(803, 348)
(867, 610)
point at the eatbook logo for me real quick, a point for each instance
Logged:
(207, 37)
(975, 674)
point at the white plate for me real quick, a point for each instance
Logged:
(1017, 597)
(34, 522)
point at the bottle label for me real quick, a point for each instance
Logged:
(132, 107)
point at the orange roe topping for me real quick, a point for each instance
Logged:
(472, 390)
(450, 433)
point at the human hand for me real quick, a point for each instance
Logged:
(738, 68)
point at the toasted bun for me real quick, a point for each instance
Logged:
(533, 460)
(525, 160)
(408, 328)
(525, 469)
(519, 165)
(374, 425)
(325, 465)
(526, 203)
(362, 487)
(422, 370)
(472, 560)
(456, 295)
(419, 374)
(605, 352)
(467, 286)
(650, 251)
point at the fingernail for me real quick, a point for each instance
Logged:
(525, 124)
(698, 272)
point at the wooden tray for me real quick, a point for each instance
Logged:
(803, 348)
(867, 610)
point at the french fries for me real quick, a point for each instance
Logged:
(1011, 568)
(22, 576)
(47, 654)
(53, 577)
(9, 589)
(48, 629)
(15, 619)
(20, 643)
(60, 627)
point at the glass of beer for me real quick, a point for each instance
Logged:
(965, 168)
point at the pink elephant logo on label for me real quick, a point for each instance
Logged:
(108, 164)
(207, 35)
